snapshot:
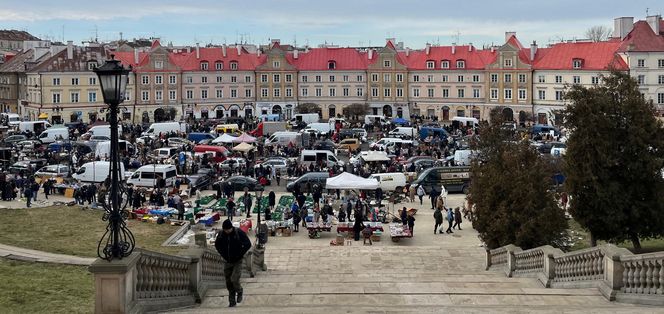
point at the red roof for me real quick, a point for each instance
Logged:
(594, 55)
(524, 53)
(642, 39)
(474, 59)
(318, 58)
(246, 61)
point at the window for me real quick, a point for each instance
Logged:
(508, 63)
(204, 94)
(346, 92)
(145, 95)
(218, 66)
(276, 78)
(233, 65)
(219, 93)
(304, 78)
(430, 92)
(204, 79)
(333, 92)
(74, 81)
(494, 93)
(522, 78)
(494, 78)
(247, 78)
(660, 63)
(374, 77)
(56, 81)
(387, 78)
(190, 94)
(289, 92)
(56, 98)
(374, 92)
(559, 79)
(360, 92)
(263, 78)
(576, 63)
(158, 80)
(204, 66)
(559, 95)
(445, 78)
(445, 64)
(641, 63)
(304, 92)
(233, 93)
(660, 80)
(416, 92)
(400, 92)
(319, 79)
(331, 65)
(431, 64)
(264, 92)
(319, 92)
(276, 92)
(576, 79)
(189, 79)
(430, 78)
(399, 77)
(641, 79)
(387, 63)
(541, 79)
(92, 81)
(522, 94)
(74, 97)
(92, 97)
(172, 80)
(476, 78)
(289, 78)
(416, 78)
(507, 93)
(276, 64)
(460, 78)
(158, 96)
(247, 93)
(476, 93)
(508, 78)
(387, 92)
(159, 64)
(446, 93)
(660, 98)
(219, 79)
(541, 95)
(461, 93)
(460, 64)
(332, 78)
(595, 80)
(172, 95)
(360, 78)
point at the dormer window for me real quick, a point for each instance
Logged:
(92, 65)
(508, 63)
(331, 65)
(204, 66)
(445, 64)
(431, 64)
(233, 65)
(276, 64)
(577, 63)
(219, 65)
(387, 64)
(460, 64)
(159, 64)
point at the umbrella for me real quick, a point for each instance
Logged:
(243, 147)
(224, 138)
(399, 121)
(244, 138)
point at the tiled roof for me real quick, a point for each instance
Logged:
(318, 58)
(15, 35)
(60, 63)
(246, 61)
(642, 39)
(594, 56)
(17, 63)
(524, 53)
(474, 59)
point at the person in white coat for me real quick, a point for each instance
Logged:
(443, 194)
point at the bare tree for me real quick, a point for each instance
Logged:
(308, 108)
(598, 33)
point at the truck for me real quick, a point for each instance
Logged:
(10, 119)
(306, 118)
(267, 128)
(375, 119)
(35, 127)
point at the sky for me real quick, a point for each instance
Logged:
(314, 22)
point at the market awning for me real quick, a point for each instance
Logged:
(243, 147)
(347, 181)
(224, 138)
(43, 115)
(375, 156)
(245, 138)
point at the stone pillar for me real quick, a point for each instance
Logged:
(549, 265)
(613, 270)
(487, 259)
(195, 272)
(511, 259)
(115, 283)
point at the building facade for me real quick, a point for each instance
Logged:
(387, 74)
(276, 82)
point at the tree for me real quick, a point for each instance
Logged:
(308, 108)
(511, 190)
(614, 161)
(598, 33)
(354, 111)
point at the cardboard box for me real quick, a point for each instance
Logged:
(286, 233)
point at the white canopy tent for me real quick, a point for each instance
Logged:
(375, 156)
(224, 138)
(347, 181)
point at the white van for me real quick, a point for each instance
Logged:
(307, 118)
(382, 143)
(51, 135)
(103, 130)
(319, 126)
(463, 157)
(10, 119)
(315, 156)
(391, 146)
(378, 118)
(33, 126)
(403, 131)
(147, 175)
(96, 172)
(103, 149)
(393, 181)
(284, 138)
(166, 127)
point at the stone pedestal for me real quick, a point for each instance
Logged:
(114, 282)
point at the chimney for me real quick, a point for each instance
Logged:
(135, 55)
(453, 48)
(239, 49)
(622, 26)
(428, 49)
(509, 34)
(223, 50)
(533, 50)
(295, 53)
(407, 52)
(188, 49)
(198, 51)
(654, 21)
(492, 50)
(470, 47)
(370, 53)
(70, 50)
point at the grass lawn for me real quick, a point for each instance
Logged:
(72, 231)
(45, 288)
(582, 240)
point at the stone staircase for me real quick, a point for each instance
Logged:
(398, 279)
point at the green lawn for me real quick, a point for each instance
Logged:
(72, 231)
(582, 240)
(45, 288)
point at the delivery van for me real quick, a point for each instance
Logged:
(306, 118)
(51, 135)
(403, 132)
(165, 127)
(375, 119)
(10, 119)
(393, 181)
(96, 172)
(284, 139)
(455, 179)
(104, 130)
(147, 175)
(324, 157)
(227, 128)
(103, 149)
(35, 127)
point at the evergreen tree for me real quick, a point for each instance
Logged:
(614, 161)
(511, 191)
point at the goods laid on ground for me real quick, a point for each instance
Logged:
(398, 231)
(315, 228)
(348, 226)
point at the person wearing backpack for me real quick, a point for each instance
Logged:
(438, 217)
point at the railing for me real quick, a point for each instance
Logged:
(162, 276)
(616, 272)
(212, 266)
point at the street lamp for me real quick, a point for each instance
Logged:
(260, 234)
(117, 241)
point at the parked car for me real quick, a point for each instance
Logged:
(28, 145)
(278, 164)
(24, 166)
(422, 164)
(99, 138)
(53, 171)
(238, 183)
(326, 145)
(349, 143)
(177, 142)
(199, 181)
(233, 163)
(13, 139)
(60, 146)
(360, 133)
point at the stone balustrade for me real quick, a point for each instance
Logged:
(616, 272)
(161, 276)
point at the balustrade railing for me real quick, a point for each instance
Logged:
(643, 274)
(529, 261)
(162, 276)
(498, 257)
(212, 266)
(580, 266)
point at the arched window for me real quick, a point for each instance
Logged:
(234, 65)
(431, 64)
(219, 65)
(331, 65)
(445, 64)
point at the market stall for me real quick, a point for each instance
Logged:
(399, 231)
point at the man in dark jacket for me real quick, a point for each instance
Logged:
(232, 244)
(247, 203)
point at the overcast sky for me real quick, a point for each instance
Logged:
(342, 22)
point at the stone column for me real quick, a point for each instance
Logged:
(115, 283)
(195, 272)
(613, 270)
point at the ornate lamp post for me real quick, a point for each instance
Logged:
(262, 237)
(117, 241)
